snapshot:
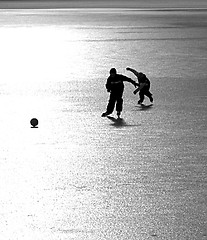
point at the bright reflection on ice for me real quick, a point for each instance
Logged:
(32, 54)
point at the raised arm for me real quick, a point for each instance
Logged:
(133, 71)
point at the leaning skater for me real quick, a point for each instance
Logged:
(144, 85)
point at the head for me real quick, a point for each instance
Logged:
(113, 72)
(141, 75)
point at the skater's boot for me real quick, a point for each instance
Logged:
(105, 114)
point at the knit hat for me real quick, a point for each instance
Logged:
(113, 70)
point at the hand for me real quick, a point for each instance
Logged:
(136, 91)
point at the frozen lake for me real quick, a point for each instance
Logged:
(79, 176)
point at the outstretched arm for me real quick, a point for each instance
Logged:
(133, 71)
(127, 79)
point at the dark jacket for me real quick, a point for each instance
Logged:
(144, 82)
(115, 84)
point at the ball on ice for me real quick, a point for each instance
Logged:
(34, 122)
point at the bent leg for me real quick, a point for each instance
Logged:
(141, 97)
(149, 95)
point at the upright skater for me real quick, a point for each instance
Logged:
(144, 85)
(115, 86)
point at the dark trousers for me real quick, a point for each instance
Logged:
(115, 98)
(144, 92)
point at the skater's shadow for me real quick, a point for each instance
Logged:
(119, 122)
(143, 107)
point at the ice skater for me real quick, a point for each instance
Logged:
(115, 86)
(144, 85)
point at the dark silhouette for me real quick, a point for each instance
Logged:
(34, 123)
(144, 85)
(115, 86)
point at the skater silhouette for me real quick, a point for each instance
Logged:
(144, 85)
(115, 86)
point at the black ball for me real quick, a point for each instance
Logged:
(34, 122)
